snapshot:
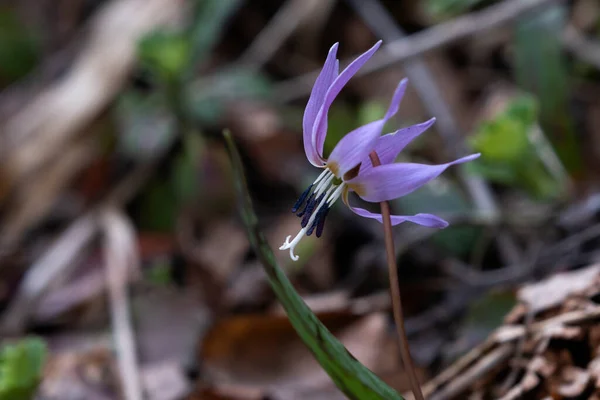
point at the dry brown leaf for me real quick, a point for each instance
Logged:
(573, 381)
(168, 321)
(81, 374)
(553, 291)
(164, 381)
(264, 351)
(542, 366)
(594, 370)
(224, 392)
(529, 382)
(221, 248)
(271, 147)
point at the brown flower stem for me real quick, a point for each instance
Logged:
(395, 292)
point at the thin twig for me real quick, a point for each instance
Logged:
(280, 27)
(459, 366)
(395, 291)
(39, 131)
(119, 255)
(485, 364)
(55, 262)
(58, 260)
(583, 48)
(512, 377)
(548, 156)
(36, 196)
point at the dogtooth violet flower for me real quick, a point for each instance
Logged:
(348, 167)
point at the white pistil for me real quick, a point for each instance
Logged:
(324, 186)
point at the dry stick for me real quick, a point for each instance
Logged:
(582, 47)
(57, 260)
(395, 291)
(120, 255)
(291, 15)
(40, 129)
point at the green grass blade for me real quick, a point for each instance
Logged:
(350, 376)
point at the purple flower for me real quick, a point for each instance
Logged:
(348, 168)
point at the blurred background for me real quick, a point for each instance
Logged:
(125, 271)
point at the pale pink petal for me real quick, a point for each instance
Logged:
(428, 220)
(390, 181)
(315, 101)
(320, 125)
(389, 146)
(356, 145)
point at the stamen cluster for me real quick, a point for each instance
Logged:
(317, 200)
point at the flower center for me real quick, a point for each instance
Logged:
(317, 199)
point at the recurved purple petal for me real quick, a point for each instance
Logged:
(390, 181)
(389, 146)
(320, 124)
(428, 220)
(356, 145)
(315, 101)
(396, 99)
(353, 147)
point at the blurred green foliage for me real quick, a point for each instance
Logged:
(442, 9)
(165, 195)
(443, 196)
(179, 102)
(173, 55)
(165, 53)
(19, 48)
(207, 28)
(159, 273)
(540, 68)
(508, 156)
(21, 366)
(483, 315)
(488, 312)
(207, 102)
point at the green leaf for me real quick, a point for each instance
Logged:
(185, 174)
(441, 9)
(540, 68)
(210, 17)
(158, 207)
(438, 197)
(19, 50)
(502, 140)
(508, 156)
(159, 273)
(350, 376)
(165, 53)
(208, 99)
(21, 367)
